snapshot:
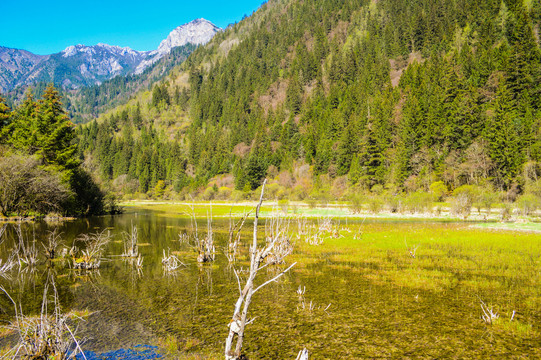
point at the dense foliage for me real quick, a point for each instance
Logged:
(39, 168)
(394, 94)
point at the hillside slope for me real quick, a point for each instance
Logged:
(334, 95)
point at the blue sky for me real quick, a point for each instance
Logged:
(45, 27)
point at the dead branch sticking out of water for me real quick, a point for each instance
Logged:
(308, 306)
(90, 258)
(489, 315)
(170, 263)
(278, 239)
(129, 240)
(234, 236)
(27, 253)
(53, 242)
(46, 336)
(412, 250)
(239, 320)
(6, 266)
(303, 355)
(206, 250)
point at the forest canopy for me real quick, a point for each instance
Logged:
(393, 94)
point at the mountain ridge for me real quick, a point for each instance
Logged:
(81, 65)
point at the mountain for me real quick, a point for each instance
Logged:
(334, 98)
(81, 65)
(197, 32)
(15, 64)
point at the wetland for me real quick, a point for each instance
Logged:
(367, 288)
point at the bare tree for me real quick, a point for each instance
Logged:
(130, 242)
(239, 321)
(234, 236)
(53, 242)
(25, 187)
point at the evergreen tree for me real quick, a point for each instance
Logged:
(501, 134)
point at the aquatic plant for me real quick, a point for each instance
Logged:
(53, 242)
(129, 240)
(90, 257)
(45, 336)
(170, 262)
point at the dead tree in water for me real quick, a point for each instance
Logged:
(276, 233)
(234, 237)
(53, 242)
(206, 250)
(239, 320)
(129, 240)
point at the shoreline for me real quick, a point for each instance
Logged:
(490, 221)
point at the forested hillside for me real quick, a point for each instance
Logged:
(87, 102)
(338, 97)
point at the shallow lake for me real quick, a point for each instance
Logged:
(365, 295)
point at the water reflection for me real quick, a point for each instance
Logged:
(371, 314)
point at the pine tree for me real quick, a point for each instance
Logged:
(56, 132)
(501, 133)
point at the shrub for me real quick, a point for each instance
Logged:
(463, 199)
(26, 187)
(375, 204)
(418, 202)
(395, 203)
(284, 205)
(438, 189)
(237, 195)
(224, 193)
(356, 203)
(527, 204)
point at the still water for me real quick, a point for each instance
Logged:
(365, 295)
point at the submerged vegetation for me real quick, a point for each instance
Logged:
(349, 273)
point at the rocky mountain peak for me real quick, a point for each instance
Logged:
(82, 65)
(198, 32)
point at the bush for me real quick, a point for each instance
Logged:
(224, 193)
(375, 204)
(284, 205)
(438, 190)
(527, 204)
(506, 211)
(237, 195)
(395, 203)
(356, 203)
(463, 199)
(461, 205)
(418, 202)
(25, 187)
(209, 193)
